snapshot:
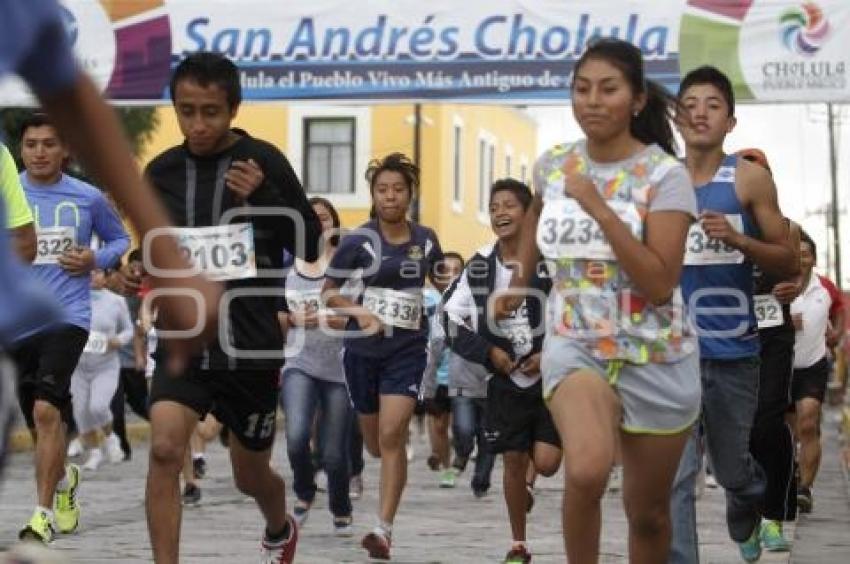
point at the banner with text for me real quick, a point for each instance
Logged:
(490, 51)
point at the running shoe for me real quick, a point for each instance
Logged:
(300, 512)
(66, 510)
(447, 478)
(199, 467)
(191, 495)
(805, 503)
(342, 526)
(94, 460)
(112, 445)
(75, 448)
(480, 492)
(772, 538)
(355, 488)
(377, 544)
(281, 551)
(751, 548)
(518, 554)
(39, 528)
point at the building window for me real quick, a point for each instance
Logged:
(486, 171)
(329, 154)
(457, 196)
(491, 167)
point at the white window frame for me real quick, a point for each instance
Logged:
(457, 153)
(360, 198)
(486, 172)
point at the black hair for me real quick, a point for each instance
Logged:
(515, 187)
(454, 255)
(38, 119)
(325, 203)
(135, 255)
(804, 238)
(708, 74)
(652, 123)
(396, 162)
(208, 68)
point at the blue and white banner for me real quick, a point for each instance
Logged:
(489, 51)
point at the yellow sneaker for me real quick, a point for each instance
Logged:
(65, 506)
(39, 528)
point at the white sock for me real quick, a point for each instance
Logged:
(197, 456)
(46, 510)
(63, 483)
(384, 528)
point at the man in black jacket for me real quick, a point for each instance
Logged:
(516, 421)
(238, 205)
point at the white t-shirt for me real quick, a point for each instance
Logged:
(810, 341)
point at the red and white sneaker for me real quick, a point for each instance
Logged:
(377, 544)
(280, 552)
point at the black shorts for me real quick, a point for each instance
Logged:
(516, 418)
(45, 363)
(243, 401)
(810, 382)
(441, 402)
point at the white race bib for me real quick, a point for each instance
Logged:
(700, 249)
(567, 231)
(52, 242)
(518, 331)
(399, 309)
(221, 252)
(97, 343)
(298, 300)
(768, 311)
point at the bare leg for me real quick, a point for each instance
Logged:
(171, 426)
(649, 466)
(808, 433)
(50, 449)
(393, 424)
(255, 478)
(586, 412)
(438, 433)
(513, 481)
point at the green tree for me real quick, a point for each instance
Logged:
(140, 124)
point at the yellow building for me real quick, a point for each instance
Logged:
(463, 150)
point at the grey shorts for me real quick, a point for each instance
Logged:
(659, 399)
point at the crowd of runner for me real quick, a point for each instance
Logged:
(637, 315)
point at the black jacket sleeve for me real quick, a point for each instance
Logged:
(300, 234)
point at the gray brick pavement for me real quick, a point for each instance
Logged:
(434, 525)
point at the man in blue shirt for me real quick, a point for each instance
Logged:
(67, 212)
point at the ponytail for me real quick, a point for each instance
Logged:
(652, 123)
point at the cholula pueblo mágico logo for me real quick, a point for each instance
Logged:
(804, 31)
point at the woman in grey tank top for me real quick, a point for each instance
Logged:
(314, 384)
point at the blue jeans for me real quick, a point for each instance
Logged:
(301, 398)
(467, 426)
(729, 402)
